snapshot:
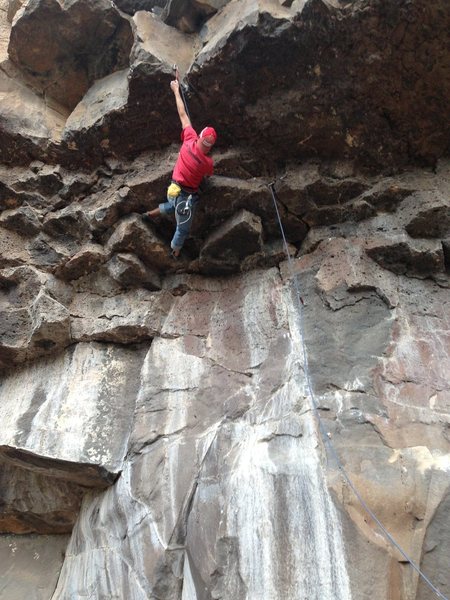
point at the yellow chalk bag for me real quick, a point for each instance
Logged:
(174, 190)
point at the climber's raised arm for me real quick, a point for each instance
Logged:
(185, 121)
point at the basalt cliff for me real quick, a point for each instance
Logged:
(231, 425)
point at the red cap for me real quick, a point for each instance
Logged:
(208, 136)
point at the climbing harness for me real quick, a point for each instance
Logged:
(315, 408)
(183, 206)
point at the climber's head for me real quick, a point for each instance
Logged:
(207, 139)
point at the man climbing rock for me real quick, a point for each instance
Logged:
(193, 163)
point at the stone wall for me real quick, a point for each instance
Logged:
(174, 430)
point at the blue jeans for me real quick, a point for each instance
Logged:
(184, 221)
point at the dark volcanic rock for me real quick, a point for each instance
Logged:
(23, 220)
(88, 259)
(226, 249)
(429, 215)
(47, 253)
(64, 48)
(132, 6)
(121, 113)
(132, 235)
(408, 256)
(10, 198)
(129, 271)
(364, 81)
(189, 16)
(69, 223)
(45, 179)
(321, 79)
(446, 250)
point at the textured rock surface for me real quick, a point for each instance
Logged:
(165, 412)
(73, 409)
(30, 565)
(34, 503)
(228, 412)
(314, 78)
(64, 47)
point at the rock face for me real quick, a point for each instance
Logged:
(225, 425)
(315, 78)
(40, 557)
(221, 414)
(64, 48)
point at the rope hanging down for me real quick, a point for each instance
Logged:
(315, 407)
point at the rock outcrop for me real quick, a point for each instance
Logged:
(196, 428)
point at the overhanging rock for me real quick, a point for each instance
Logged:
(118, 114)
(64, 47)
(34, 503)
(190, 16)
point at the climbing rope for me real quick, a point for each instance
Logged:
(315, 407)
(184, 209)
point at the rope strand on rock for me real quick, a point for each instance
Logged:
(315, 408)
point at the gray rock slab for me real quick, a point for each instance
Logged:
(34, 322)
(130, 317)
(109, 94)
(224, 491)
(28, 122)
(13, 7)
(70, 416)
(160, 43)
(30, 565)
(219, 407)
(351, 316)
(437, 538)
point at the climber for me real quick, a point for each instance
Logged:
(193, 163)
